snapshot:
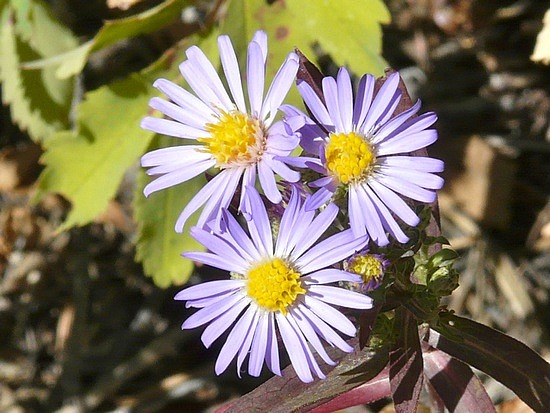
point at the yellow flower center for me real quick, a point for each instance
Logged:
(367, 266)
(348, 157)
(274, 285)
(235, 140)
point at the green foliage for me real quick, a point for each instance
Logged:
(86, 165)
(39, 101)
(72, 62)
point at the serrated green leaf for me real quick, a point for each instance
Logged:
(39, 102)
(159, 247)
(348, 30)
(87, 165)
(72, 62)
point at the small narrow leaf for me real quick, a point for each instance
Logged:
(504, 358)
(406, 364)
(454, 382)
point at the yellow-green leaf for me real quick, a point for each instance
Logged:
(87, 165)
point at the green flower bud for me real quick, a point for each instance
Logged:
(443, 281)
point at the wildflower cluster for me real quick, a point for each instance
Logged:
(308, 246)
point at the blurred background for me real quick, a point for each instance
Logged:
(83, 329)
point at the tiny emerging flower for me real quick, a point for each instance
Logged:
(241, 141)
(363, 147)
(370, 267)
(276, 288)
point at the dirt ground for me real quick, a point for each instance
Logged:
(81, 327)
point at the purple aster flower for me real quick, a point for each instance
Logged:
(363, 147)
(275, 287)
(239, 141)
(370, 267)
